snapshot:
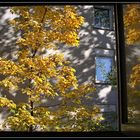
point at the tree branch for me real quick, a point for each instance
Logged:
(34, 53)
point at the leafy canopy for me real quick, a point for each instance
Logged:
(132, 26)
(45, 77)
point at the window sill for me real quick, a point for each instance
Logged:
(102, 83)
(100, 28)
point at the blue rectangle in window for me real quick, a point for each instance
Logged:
(103, 67)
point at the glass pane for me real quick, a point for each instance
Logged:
(132, 49)
(103, 68)
(102, 18)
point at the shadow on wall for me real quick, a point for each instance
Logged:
(7, 35)
(83, 56)
(8, 48)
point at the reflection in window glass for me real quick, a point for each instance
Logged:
(103, 67)
(102, 18)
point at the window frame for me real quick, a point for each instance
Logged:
(110, 18)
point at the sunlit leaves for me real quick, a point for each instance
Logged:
(132, 23)
(132, 26)
(135, 76)
(4, 102)
(47, 24)
(45, 77)
(21, 120)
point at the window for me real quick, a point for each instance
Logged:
(103, 67)
(102, 18)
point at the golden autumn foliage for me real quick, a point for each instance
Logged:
(135, 76)
(132, 23)
(45, 77)
(132, 28)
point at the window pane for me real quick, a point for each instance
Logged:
(102, 18)
(103, 67)
(132, 50)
